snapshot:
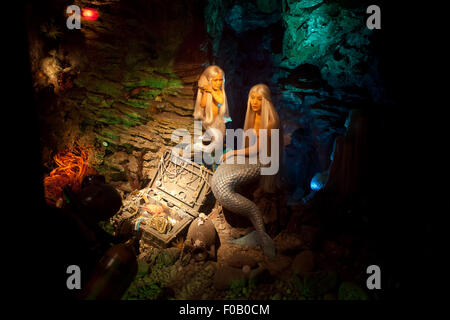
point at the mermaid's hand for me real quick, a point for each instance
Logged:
(207, 88)
(230, 153)
(226, 119)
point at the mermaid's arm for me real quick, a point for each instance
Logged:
(217, 95)
(203, 100)
(247, 151)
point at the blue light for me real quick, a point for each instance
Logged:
(319, 180)
(315, 185)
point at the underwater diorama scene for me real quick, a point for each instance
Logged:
(211, 149)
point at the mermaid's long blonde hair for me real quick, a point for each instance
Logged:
(269, 120)
(206, 114)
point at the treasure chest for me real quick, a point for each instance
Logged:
(178, 192)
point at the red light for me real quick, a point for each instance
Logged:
(89, 14)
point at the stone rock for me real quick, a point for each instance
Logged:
(267, 6)
(246, 16)
(269, 209)
(117, 160)
(260, 275)
(288, 243)
(240, 260)
(278, 265)
(133, 165)
(226, 275)
(310, 42)
(306, 3)
(236, 233)
(303, 262)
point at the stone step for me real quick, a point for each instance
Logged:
(185, 103)
(191, 79)
(188, 90)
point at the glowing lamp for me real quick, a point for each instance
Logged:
(89, 14)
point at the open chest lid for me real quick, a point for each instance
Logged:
(180, 183)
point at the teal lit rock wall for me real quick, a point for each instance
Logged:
(331, 36)
(318, 58)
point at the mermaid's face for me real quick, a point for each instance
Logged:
(256, 101)
(216, 82)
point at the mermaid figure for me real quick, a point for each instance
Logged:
(211, 105)
(261, 114)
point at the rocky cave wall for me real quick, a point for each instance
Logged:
(318, 57)
(125, 82)
(121, 84)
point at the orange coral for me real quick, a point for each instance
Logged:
(178, 243)
(73, 166)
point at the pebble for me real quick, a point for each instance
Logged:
(288, 243)
(246, 269)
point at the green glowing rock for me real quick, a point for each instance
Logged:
(327, 35)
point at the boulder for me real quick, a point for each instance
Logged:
(278, 265)
(288, 243)
(223, 278)
(259, 275)
(303, 262)
(240, 260)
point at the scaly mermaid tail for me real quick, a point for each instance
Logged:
(223, 184)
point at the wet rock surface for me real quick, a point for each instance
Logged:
(130, 89)
(303, 262)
